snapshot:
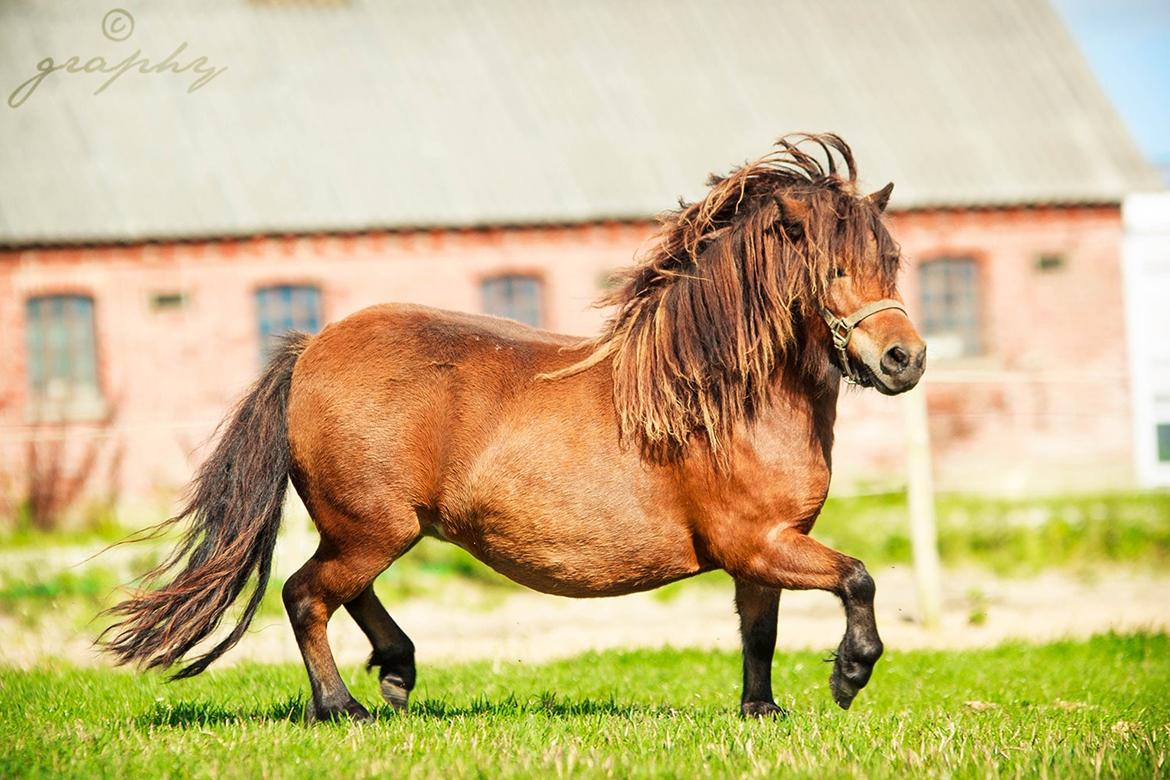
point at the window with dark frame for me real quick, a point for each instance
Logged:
(168, 301)
(1163, 442)
(611, 280)
(62, 349)
(284, 308)
(515, 297)
(949, 290)
(1049, 262)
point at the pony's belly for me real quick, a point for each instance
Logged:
(566, 559)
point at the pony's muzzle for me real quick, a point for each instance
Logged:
(902, 365)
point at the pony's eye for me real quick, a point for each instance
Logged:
(838, 272)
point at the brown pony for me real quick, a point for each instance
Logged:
(693, 434)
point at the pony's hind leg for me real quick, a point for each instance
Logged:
(337, 575)
(311, 596)
(393, 651)
(795, 561)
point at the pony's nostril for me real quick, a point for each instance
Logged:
(896, 359)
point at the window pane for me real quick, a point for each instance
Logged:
(950, 305)
(58, 340)
(285, 308)
(35, 345)
(515, 297)
(1164, 442)
(61, 347)
(82, 364)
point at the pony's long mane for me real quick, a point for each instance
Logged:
(722, 295)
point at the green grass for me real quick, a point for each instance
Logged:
(1071, 709)
(18, 534)
(1009, 536)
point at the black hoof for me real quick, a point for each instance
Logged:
(350, 710)
(395, 692)
(844, 692)
(761, 709)
(396, 675)
(852, 668)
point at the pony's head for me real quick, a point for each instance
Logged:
(782, 267)
(874, 342)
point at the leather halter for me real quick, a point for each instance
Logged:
(842, 329)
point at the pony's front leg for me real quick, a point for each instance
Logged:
(757, 606)
(791, 559)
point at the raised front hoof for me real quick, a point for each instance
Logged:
(762, 709)
(852, 668)
(395, 692)
(844, 692)
(349, 711)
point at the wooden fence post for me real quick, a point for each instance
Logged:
(920, 498)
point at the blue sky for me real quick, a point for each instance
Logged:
(1127, 43)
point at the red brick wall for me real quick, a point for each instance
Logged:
(1045, 407)
(170, 375)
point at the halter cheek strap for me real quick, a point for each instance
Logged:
(842, 329)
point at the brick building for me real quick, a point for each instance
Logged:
(498, 158)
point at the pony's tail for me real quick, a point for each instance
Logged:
(233, 511)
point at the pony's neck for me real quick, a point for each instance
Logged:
(806, 401)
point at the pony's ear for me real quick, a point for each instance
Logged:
(881, 197)
(793, 214)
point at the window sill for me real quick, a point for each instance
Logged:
(90, 408)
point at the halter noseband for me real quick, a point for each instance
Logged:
(842, 329)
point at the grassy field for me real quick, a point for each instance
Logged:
(1076, 709)
(1011, 537)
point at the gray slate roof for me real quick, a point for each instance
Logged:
(336, 115)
